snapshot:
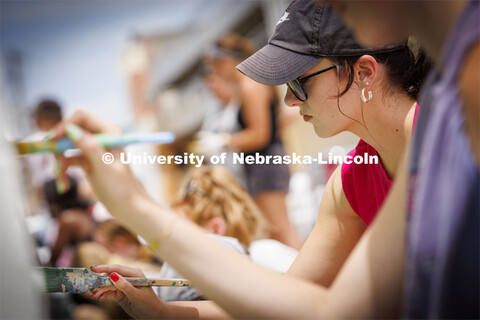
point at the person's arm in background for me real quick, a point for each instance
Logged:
(469, 83)
(255, 106)
(286, 117)
(369, 284)
(336, 232)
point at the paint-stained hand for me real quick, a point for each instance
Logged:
(140, 303)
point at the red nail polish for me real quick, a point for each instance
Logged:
(114, 277)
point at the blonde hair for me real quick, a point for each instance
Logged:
(215, 192)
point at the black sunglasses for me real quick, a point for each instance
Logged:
(296, 86)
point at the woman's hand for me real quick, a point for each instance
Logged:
(140, 303)
(114, 183)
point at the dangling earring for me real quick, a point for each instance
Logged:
(369, 93)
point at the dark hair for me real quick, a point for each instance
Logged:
(59, 202)
(404, 69)
(50, 110)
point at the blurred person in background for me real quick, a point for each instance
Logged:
(71, 213)
(40, 166)
(215, 200)
(47, 114)
(67, 200)
(112, 243)
(257, 118)
(221, 121)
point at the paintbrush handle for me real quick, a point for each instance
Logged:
(149, 282)
(106, 140)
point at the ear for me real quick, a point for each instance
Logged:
(366, 70)
(217, 225)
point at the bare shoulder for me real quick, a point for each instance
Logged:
(334, 199)
(248, 85)
(333, 237)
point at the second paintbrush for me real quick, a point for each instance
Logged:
(106, 140)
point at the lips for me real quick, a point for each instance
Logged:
(307, 118)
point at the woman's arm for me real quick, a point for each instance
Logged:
(370, 283)
(256, 99)
(336, 232)
(200, 309)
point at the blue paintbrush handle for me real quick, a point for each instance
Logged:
(117, 141)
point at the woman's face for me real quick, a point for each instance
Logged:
(220, 87)
(322, 106)
(224, 67)
(375, 23)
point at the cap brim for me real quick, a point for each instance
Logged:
(273, 65)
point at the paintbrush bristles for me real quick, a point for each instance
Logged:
(54, 278)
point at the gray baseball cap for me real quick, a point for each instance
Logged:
(305, 34)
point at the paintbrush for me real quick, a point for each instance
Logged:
(81, 280)
(106, 140)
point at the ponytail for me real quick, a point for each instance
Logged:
(406, 68)
(420, 65)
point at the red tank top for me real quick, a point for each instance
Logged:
(366, 186)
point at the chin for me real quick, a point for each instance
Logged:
(323, 134)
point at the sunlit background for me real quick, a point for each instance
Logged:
(81, 52)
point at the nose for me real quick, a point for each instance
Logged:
(291, 100)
